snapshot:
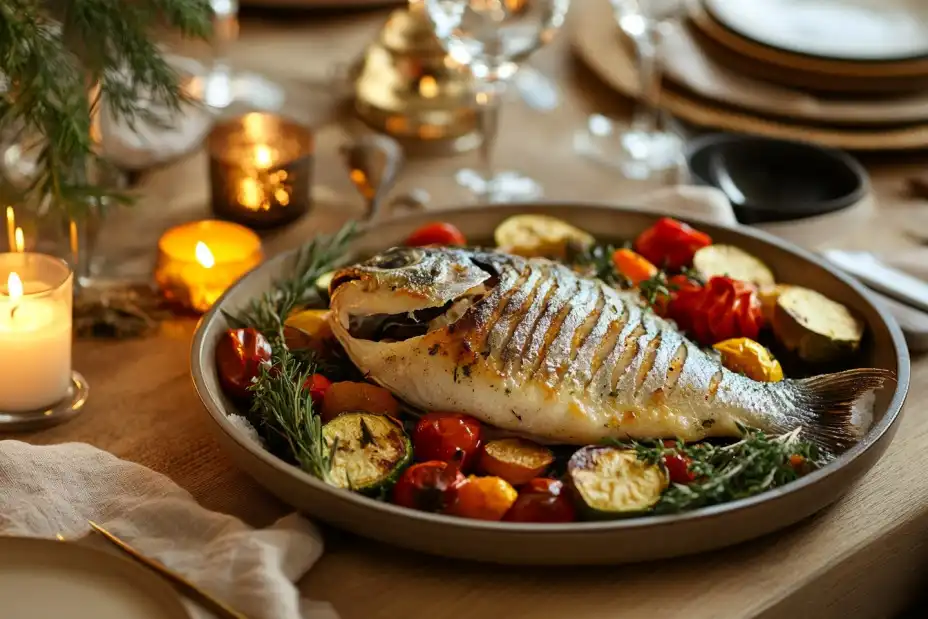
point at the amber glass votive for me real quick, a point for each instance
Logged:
(261, 168)
(198, 261)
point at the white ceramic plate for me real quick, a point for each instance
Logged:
(861, 30)
(45, 579)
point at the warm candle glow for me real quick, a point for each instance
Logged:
(14, 287)
(263, 156)
(19, 241)
(10, 227)
(204, 255)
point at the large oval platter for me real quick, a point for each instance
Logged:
(616, 541)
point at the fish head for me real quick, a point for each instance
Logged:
(408, 287)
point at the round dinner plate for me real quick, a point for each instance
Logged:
(856, 30)
(617, 541)
(48, 579)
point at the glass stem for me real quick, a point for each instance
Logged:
(489, 97)
(225, 32)
(647, 116)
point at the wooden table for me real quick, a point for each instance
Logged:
(864, 557)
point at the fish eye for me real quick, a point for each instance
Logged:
(395, 259)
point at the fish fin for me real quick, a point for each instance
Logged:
(827, 402)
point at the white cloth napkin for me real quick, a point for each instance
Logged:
(50, 490)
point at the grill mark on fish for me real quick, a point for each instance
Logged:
(552, 304)
(603, 349)
(516, 307)
(625, 352)
(584, 309)
(551, 324)
(658, 377)
(512, 354)
(494, 305)
(647, 362)
(714, 385)
(586, 330)
(676, 366)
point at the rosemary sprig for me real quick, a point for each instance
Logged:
(282, 407)
(268, 312)
(754, 464)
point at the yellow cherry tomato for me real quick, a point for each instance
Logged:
(750, 358)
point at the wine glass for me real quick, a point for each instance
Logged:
(491, 38)
(643, 147)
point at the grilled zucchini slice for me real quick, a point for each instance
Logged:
(610, 482)
(539, 236)
(732, 262)
(813, 326)
(371, 453)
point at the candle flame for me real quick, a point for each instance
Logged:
(10, 227)
(19, 240)
(204, 255)
(263, 156)
(14, 287)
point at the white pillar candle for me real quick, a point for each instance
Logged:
(35, 332)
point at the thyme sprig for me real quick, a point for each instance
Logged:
(283, 408)
(596, 261)
(269, 312)
(754, 464)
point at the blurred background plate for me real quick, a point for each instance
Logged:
(48, 579)
(859, 30)
(597, 40)
(322, 4)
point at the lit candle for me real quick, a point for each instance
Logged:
(260, 170)
(198, 261)
(35, 331)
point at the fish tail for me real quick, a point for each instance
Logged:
(827, 404)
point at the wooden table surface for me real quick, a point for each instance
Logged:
(864, 557)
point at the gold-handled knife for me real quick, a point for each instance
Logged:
(194, 592)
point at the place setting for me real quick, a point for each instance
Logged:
(505, 385)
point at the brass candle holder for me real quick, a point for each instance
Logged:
(408, 87)
(261, 168)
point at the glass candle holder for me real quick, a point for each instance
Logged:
(199, 261)
(261, 169)
(38, 385)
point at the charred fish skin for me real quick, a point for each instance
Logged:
(544, 352)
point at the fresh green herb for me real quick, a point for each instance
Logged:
(693, 275)
(656, 287)
(724, 473)
(268, 313)
(284, 409)
(596, 261)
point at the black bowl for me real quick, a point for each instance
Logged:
(776, 180)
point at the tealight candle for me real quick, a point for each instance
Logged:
(35, 331)
(198, 261)
(260, 170)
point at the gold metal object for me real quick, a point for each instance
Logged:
(408, 87)
(210, 603)
(373, 163)
(261, 168)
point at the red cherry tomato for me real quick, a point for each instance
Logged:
(428, 486)
(440, 436)
(542, 500)
(240, 354)
(437, 233)
(670, 244)
(722, 309)
(317, 384)
(678, 465)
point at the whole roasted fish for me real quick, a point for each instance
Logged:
(529, 346)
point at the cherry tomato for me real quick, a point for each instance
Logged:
(722, 309)
(678, 465)
(483, 498)
(670, 244)
(240, 354)
(542, 500)
(440, 436)
(428, 486)
(437, 233)
(348, 396)
(317, 385)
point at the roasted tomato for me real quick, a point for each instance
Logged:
(678, 465)
(437, 233)
(428, 486)
(750, 358)
(440, 436)
(720, 310)
(318, 385)
(240, 355)
(635, 267)
(516, 460)
(355, 397)
(670, 244)
(542, 500)
(483, 498)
